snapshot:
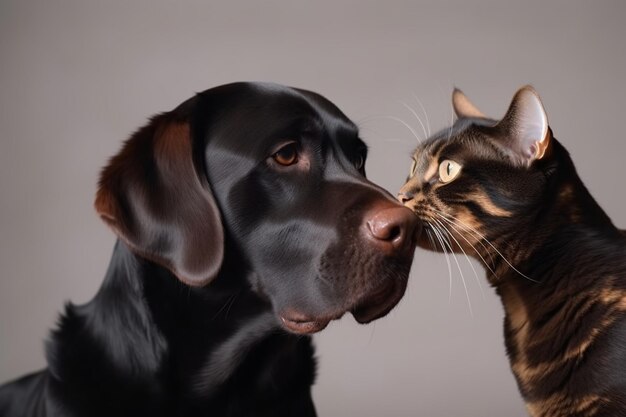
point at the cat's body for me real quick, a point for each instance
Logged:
(508, 193)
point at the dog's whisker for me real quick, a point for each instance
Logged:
(371, 338)
(229, 300)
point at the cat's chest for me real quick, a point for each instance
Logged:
(517, 331)
(555, 347)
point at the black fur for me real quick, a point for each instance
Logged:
(291, 244)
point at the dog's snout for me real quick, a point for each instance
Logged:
(392, 229)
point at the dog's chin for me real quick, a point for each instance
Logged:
(380, 301)
(365, 305)
(373, 305)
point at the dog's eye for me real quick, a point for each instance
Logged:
(287, 155)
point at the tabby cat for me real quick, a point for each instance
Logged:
(507, 193)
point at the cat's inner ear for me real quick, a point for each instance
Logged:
(463, 107)
(524, 128)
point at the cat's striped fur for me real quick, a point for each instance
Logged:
(553, 255)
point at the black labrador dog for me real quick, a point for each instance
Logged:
(245, 221)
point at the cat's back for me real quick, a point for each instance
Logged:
(606, 340)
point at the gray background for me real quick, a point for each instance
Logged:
(77, 77)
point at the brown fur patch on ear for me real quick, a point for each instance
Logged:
(172, 152)
(105, 205)
(154, 200)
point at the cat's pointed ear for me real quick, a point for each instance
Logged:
(524, 128)
(463, 107)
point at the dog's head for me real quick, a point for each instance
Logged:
(278, 173)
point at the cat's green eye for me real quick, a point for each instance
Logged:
(413, 166)
(448, 171)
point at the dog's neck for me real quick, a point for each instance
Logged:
(196, 339)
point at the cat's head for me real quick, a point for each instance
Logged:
(482, 178)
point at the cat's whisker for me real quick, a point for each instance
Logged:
(451, 120)
(445, 252)
(449, 135)
(464, 254)
(425, 113)
(470, 243)
(405, 124)
(473, 231)
(445, 235)
(446, 257)
(361, 123)
(466, 227)
(363, 127)
(430, 239)
(409, 108)
(458, 265)
(443, 98)
(393, 140)
(496, 250)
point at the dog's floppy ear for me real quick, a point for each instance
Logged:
(156, 200)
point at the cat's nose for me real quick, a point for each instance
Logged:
(403, 197)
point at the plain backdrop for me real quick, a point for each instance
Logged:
(77, 77)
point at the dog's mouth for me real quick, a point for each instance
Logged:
(374, 305)
(379, 302)
(304, 326)
(365, 306)
(299, 323)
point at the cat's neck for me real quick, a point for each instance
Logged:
(573, 290)
(568, 227)
(566, 265)
(571, 205)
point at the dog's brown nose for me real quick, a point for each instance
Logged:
(392, 229)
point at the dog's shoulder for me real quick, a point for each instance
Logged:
(24, 396)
